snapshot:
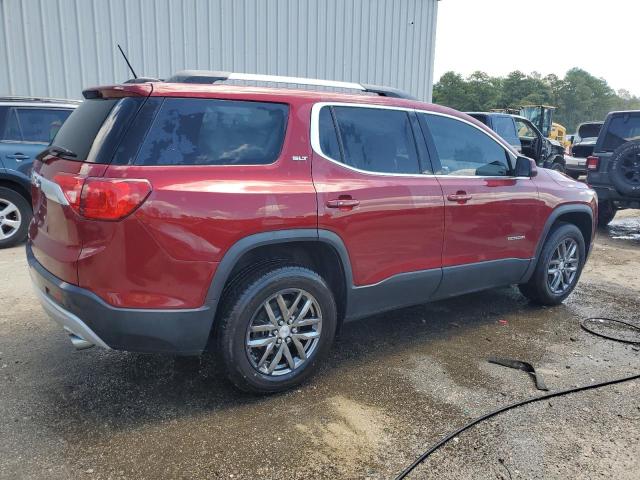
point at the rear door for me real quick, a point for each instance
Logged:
(492, 218)
(372, 191)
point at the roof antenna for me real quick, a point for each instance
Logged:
(127, 60)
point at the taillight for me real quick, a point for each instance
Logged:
(592, 162)
(112, 198)
(103, 198)
(71, 186)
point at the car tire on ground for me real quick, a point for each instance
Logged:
(606, 212)
(15, 215)
(574, 175)
(276, 326)
(624, 168)
(559, 266)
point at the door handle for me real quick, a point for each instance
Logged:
(346, 203)
(460, 197)
(18, 156)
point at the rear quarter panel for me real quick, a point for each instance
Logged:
(166, 253)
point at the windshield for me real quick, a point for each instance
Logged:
(622, 128)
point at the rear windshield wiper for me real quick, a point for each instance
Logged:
(65, 152)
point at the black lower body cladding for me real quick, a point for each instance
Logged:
(138, 330)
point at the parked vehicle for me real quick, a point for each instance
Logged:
(582, 147)
(27, 125)
(525, 138)
(614, 168)
(501, 123)
(181, 216)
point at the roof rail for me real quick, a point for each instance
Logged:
(37, 99)
(206, 77)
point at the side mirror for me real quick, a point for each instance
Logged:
(526, 167)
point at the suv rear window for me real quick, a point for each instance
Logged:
(621, 129)
(589, 130)
(82, 126)
(193, 131)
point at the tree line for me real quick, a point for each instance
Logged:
(579, 96)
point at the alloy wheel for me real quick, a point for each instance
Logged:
(10, 219)
(563, 266)
(284, 332)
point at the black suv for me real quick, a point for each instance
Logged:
(613, 170)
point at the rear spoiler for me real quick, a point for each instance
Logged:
(119, 91)
(208, 77)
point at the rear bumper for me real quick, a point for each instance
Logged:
(85, 315)
(575, 164)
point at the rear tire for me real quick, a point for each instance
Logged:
(15, 215)
(606, 213)
(574, 175)
(265, 349)
(545, 287)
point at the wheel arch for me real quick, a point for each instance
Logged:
(321, 250)
(16, 186)
(580, 215)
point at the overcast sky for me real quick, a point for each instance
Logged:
(548, 36)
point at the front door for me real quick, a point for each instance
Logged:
(492, 218)
(368, 173)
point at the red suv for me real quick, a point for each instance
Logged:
(184, 215)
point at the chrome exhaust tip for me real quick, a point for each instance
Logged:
(79, 343)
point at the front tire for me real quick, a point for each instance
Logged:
(559, 266)
(15, 215)
(275, 329)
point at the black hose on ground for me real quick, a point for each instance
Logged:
(521, 403)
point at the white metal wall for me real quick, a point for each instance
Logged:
(57, 47)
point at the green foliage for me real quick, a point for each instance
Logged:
(579, 96)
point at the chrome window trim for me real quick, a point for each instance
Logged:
(46, 106)
(315, 140)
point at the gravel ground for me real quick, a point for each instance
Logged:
(393, 385)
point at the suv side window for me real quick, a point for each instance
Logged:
(505, 127)
(464, 150)
(524, 130)
(38, 125)
(193, 131)
(374, 139)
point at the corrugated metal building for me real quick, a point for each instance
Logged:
(56, 47)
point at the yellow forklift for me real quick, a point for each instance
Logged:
(542, 117)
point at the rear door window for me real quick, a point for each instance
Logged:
(376, 140)
(464, 150)
(191, 131)
(621, 129)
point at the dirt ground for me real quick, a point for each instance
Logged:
(393, 385)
